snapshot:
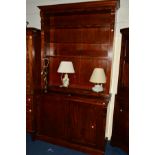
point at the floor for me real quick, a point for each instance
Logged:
(43, 148)
(38, 147)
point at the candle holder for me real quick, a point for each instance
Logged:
(44, 73)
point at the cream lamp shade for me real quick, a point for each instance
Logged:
(98, 77)
(66, 67)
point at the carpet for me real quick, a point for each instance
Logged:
(111, 150)
(38, 147)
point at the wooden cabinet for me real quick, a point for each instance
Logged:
(32, 73)
(74, 120)
(120, 135)
(82, 33)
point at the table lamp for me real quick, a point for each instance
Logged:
(65, 67)
(98, 77)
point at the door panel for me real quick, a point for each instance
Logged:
(53, 112)
(87, 123)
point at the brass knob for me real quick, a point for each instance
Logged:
(29, 99)
(30, 110)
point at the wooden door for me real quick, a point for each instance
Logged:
(53, 114)
(87, 123)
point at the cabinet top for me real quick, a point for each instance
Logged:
(101, 6)
(79, 92)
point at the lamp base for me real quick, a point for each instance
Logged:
(65, 81)
(97, 88)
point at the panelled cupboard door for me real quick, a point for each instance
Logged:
(53, 114)
(87, 123)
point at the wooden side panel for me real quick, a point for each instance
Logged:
(33, 76)
(29, 113)
(29, 64)
(33, 57)
(120, 135)
(124, 63)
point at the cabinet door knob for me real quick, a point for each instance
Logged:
(30, 110)
(29, 99)
(92, 126)
(121, 110)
